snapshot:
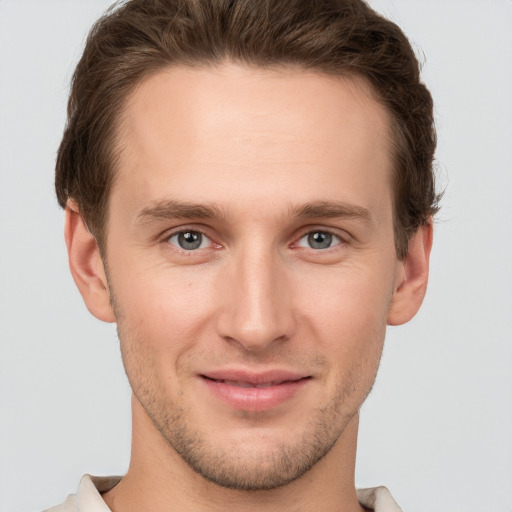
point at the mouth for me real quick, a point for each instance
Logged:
(254, 391)
(245, 384)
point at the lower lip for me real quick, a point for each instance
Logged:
(255, 399)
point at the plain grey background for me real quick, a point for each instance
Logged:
(437, 428)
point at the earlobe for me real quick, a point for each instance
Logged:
(86, 265)
(412, 277)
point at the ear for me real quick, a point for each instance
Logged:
(412, 277)
(86, 265)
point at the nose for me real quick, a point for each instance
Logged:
(256, 300)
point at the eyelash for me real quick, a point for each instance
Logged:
(168, 238)
(337, 239)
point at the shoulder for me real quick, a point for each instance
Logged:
(378, 499)
(88, 497)
(70, 505)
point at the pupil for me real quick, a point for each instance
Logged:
(320, 240)
(189, 240)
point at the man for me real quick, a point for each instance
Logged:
(249, 194)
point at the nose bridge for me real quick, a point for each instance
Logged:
(256, 311)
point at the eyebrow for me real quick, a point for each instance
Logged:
(168, 210)
(332, 209)
(172, 209)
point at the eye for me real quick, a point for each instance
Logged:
(189, 240)
(319, 240)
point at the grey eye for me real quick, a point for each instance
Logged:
(189, 240)
(319, 240)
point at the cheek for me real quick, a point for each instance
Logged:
(348, 299)
(347, 315)
(159, 318)
(161, 313)
(159, 294)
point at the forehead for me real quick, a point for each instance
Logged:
(251, 134)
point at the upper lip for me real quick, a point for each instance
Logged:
(254, 378)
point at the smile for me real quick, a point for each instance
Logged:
(243, 384)
(254, 392)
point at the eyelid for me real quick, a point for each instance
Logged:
(204, 240)
(343, 237)
(167, 235)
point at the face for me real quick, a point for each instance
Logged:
(251, 263)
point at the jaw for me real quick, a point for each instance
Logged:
(330, 482)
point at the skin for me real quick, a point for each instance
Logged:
(256, 161)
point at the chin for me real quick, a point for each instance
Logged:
(251, 457)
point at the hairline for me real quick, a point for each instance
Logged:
(351, 77)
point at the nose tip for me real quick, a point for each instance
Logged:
(256, 309)
(257, 338)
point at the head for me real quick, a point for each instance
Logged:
(249, 191)
(339, 38)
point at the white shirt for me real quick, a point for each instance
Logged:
(88, 497)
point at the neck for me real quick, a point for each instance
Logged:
(159, 480)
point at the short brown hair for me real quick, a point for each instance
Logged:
(341, 37)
